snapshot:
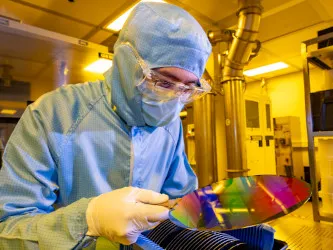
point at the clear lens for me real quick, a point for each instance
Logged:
(161, 90)
(150, 91)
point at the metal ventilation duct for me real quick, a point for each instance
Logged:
(205, 150)
(243, 47)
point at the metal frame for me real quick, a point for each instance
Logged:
(311, 135)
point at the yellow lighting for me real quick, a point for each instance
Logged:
(99, 66)
(183, 114)
(117, 24)
(8, 111)
(233, 210)
(266, 69)
(211, 34)
(274, 199)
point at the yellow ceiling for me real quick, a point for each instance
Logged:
(285, 24)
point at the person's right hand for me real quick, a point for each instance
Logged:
(121, 215)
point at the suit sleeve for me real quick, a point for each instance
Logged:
(29, 189)
(181, 178)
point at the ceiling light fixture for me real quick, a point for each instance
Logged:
(8, 112)
(99, 66)
(266, 69)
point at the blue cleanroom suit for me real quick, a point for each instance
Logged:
(83, 140)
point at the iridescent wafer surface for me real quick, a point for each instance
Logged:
(240, 202)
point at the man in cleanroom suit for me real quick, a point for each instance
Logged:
(97, 159)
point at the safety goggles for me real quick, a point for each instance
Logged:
(158, 87)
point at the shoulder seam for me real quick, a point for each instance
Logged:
(170, 135)
(77, 122)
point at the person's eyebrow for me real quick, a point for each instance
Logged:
(172, 77)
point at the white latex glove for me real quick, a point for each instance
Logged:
(121, 215)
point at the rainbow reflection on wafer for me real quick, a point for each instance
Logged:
(240, 202)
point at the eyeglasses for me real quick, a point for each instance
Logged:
(158, 87)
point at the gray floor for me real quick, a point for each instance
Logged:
(300, 231)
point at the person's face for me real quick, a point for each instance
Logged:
(178, 75)
(168, 83)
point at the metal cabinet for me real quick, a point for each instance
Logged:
(260, 149)
(289, 160)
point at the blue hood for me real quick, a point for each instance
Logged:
(164, 35)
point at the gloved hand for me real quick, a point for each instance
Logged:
(121, 215)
